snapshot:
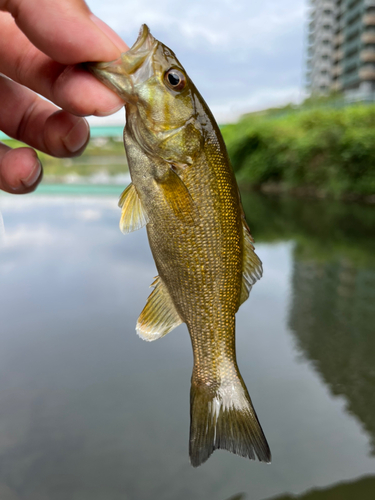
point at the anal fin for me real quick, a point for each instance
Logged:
(133, 216)
(159, 315)
(252, 269)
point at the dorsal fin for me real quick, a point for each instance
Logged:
(133, 216)
(159, 315)
(252, 269)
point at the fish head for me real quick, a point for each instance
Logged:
(158, 94)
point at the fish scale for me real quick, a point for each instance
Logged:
(184, 190)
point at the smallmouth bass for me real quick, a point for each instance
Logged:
(184, 191)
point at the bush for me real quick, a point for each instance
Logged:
(331, 150)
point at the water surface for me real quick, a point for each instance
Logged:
(90, 411)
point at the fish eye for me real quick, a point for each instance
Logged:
(175, 79)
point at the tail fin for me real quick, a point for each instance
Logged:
(224, 418)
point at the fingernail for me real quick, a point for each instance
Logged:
(78, 136)
(34, 175)
(113, 110)
(112, 35)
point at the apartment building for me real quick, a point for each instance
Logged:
(341, 46)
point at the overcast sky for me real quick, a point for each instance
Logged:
(243, 55)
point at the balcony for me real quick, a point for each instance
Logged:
(369, 20)
(336, 71)
(367, 74)
(353, 31)
(353, 14)
(350, 47)
(368, 37)
(336, 86)
(350, 80)
(327, 4)
(367, 55)
(337, 55)
(338, 39)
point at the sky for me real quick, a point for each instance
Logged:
(243, 55)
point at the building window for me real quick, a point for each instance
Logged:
(353, 36)
(354, 19)
(351, 53)
(353, 4)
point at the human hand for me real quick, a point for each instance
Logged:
(41, 44)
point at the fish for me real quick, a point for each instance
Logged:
(184, 191)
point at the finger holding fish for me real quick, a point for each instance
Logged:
(41, 48)
(40, 124)
(20, 170)
(42, 44)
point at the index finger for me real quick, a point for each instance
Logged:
(76, 33)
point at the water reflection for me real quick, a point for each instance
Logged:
(324, 230)
(363, 489)
(332, 313)
(89, 411)
(333, 318)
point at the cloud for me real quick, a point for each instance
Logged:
(267, 97)
(217, 22)
(244, 50)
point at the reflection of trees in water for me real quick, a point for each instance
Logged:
(362, 489)
(333, 309)
(333, 318)
(326, 230)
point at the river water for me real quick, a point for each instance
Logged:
(88, 411)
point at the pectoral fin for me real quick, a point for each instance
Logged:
(159, 315)
(178, 198)
(252, 266)
(133, 216)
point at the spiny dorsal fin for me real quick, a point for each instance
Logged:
(133, 216)
(252, 266)
(178, 198)
(159, 315)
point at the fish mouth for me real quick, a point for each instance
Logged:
(132, 67)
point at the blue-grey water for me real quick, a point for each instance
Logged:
(89, 411)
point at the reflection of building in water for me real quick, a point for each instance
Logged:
(341, 46)
(333, 318)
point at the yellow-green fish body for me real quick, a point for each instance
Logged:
(183, 189)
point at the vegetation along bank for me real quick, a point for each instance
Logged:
(326, 151)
